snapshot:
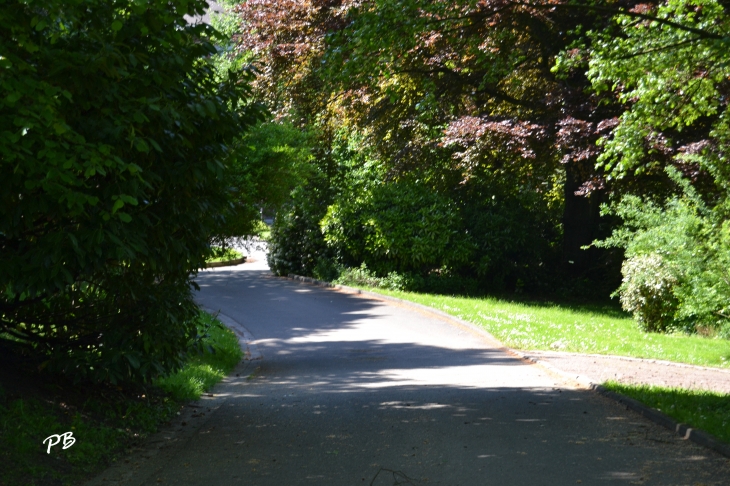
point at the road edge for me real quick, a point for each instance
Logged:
(697, 436)
(141, 465)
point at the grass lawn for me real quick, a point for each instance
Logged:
(104, 420)
(573, 328)
(225, 255)
(704, 410)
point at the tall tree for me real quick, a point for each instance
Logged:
(464, 87)
(113, 138)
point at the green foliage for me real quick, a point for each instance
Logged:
(669, 65)
(265, 165)
(458, 99)
(676, 275)
(326, 270)
(363, 277)
(399, 226)
(516, 241)
(672, 75)
(296, 244)
(113, 133)
(203, 370)
(222, 254)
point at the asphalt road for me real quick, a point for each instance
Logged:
(355, 391)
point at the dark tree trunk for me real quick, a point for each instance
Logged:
(580, 221)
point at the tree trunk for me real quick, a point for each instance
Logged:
(580, 222)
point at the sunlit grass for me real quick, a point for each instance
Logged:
(205, 370)
(704, 410)
(220, 255)
(573, 328)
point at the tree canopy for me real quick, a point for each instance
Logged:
(526, 116)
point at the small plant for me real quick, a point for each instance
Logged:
(364, 277)
(326, 270)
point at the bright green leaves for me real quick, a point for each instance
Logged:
(38, 23)
(668, 77)
(401, 226)
(119, 202)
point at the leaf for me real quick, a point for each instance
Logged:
(128, 199)
(116, 26)
(133, 360)
(141, 145)
(118, 204)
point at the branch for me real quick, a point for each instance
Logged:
(704, 34)
(658, 49)
(492, 92)
(471, 16)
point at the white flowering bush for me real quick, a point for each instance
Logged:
(647, 291)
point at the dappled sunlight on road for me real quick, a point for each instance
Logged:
(345, 386)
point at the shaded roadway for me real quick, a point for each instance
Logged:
(353, 390)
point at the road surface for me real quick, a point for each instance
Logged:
(350, 390)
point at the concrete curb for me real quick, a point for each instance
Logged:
(686, 432)
(228, 263)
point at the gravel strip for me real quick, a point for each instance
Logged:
(637, 371)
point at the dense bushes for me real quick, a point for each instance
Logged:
(114, 128)
(676, 274)
(296, 244)
(516, 244)
(399, 226)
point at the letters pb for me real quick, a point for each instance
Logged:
(68, 440)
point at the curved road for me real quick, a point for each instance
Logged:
(351, 390)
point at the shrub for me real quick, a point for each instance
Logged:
(647, 291)
(114, 129)
(676, 275)
(362, 276)
(515, 243)
(404, 227)
(296, 243)
(326, 270)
